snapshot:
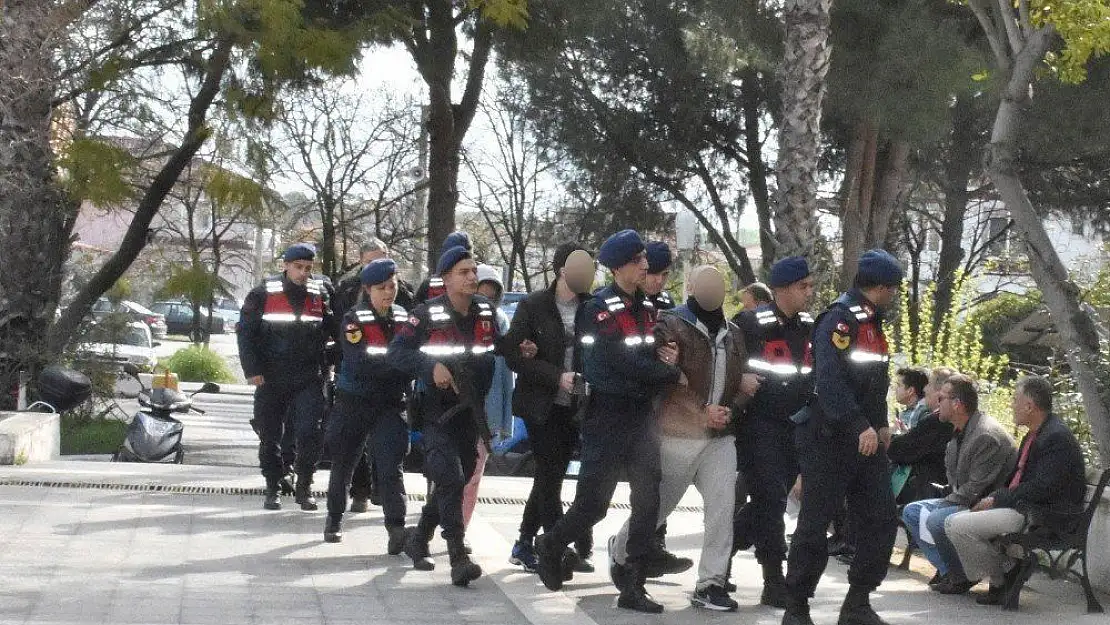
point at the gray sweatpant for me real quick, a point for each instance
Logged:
(710, 466)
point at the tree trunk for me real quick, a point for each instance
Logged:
(750, 98)
(1075, 324)
(963, 157)
(328, 265)
(36, 218)
(805, 64)
(138, 231)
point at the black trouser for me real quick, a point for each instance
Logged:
(553, 443)
(355, 431)
(832, 470)
(617, 434)
(450, 457)
(303, 402)
(363, 483)
(772, 468)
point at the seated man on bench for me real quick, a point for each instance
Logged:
(1049, 478)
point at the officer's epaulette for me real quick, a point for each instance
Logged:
(365, 315)
(613, 303)
(766, 317)
(315, 286)
(273, 285)
(485, 309)
(665, 297)
(437, 313)
(805, 317)
(859, 311)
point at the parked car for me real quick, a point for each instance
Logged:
(228, 310)
(131, 344)
(179, 318)
(134, 311)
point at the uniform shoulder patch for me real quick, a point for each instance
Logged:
(353, 334)
(603, 315)
(841, 340)
(843, 328)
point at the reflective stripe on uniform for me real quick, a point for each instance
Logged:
(778, 369)
(862, 356)
(586, 339)
(443, 350)
(377, 351)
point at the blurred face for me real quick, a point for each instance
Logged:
(370, 257)
(490, 291)
(578, 272)
(904, 394)
(1024, 409)
(797, 296)
(632, 273)
(382, 295)
(654, 282)
(298, 271)
(885, 296)
(709, 288)
(462, 279)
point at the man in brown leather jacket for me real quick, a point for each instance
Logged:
(698, 446)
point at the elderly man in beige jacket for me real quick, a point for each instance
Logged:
(698, 445)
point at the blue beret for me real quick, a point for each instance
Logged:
(879, 267)
(619, 249)
(378, 271)
(659, 256)
(299, 251)
(456, 239)
(450, 258)
(788, 271)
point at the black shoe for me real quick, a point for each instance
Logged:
(955, 585)
(467, 548)
(617, 572)
(859, 615)
(463, 569)
(273, 499)
(416, 547)
(634, 597)
(730, 587)
(583, 560)
(937, 578)
(333, 532)
(396, 544)
(714, 598)
(286, 484)
(663, 563)
(775, 594)
(549, 562)
(303, 495)
(846, 558)
(993, 596)
(797, 615)
(359, 505)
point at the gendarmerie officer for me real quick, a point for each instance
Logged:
(432, 286)
(448, 344)
(660, 260)
(780, 355)
(625, 370)
(369, 400)
(283, 333)
(841, 445)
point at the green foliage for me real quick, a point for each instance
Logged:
(91, 436)
(195, 283)
(97, 171)
(1084, 27)
(120, 291)
(504, 13)
(234, 194)
(958, 344)
(997, 316)
(1098, 294)
(199, 364)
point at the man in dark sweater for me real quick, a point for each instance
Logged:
(1049, 481)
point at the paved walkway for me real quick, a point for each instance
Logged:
(181, 544)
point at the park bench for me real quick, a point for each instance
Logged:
(1056, 551)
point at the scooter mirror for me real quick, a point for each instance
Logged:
(209, 387)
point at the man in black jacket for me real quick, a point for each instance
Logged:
(922, 447)
(1049, 480)
(549, 389)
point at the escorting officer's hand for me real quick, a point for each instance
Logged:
(442, 377)
(668, 354)
(869, 442)
(717, 417)
(884, 436)
(255, 380)
(566, 381)
(528, 349)
(750, 383)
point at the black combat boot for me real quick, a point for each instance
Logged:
(774, 586)
(359, 505)
(549, 561)
(633, 595)
(396, 543)
(416, 547)
(618, 573)
(272, 494)
(333, 527)
(857, 609)
(303, 494)
(463, 569)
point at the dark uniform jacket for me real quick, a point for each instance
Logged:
(851, 361)
(922, 448)
(465, 345)
(364, 371)
(285, 329)
(618, 345)
(779, 349)
(348, 293)
(537, 319)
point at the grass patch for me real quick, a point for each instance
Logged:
(91, 436)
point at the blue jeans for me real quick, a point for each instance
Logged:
(941, 552)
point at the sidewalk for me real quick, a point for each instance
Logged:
(190, 544)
